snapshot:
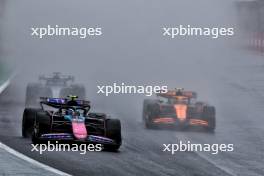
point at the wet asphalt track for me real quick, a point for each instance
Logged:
(230, 79)
(239, 121)
(140, 154)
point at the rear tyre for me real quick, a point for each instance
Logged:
(113, 131)
(209, 115)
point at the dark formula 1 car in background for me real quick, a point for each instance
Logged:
(61, 119)
(54, 86)
(250, 15)
(178, 108)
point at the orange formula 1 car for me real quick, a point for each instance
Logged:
(178, 108)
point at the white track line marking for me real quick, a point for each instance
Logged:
(20, 155)
(4, 86)
(32, 161)
(7, 82)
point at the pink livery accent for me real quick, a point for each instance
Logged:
(79, 130)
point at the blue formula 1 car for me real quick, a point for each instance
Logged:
(70, 120)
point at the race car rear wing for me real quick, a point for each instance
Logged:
(56, 77)
(64, 102)
(175, 93)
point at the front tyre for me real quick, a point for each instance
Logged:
(28, 120)
(36, 134)
(113, 131)
(148, 123)
(41, 126)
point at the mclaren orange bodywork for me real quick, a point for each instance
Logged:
(181, 111)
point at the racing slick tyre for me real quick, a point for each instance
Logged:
(113, 131)
(29, 116)
(209, 115)
(41, 126)
(34, 92)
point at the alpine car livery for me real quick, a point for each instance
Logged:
(69, 120)
(178, 108)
